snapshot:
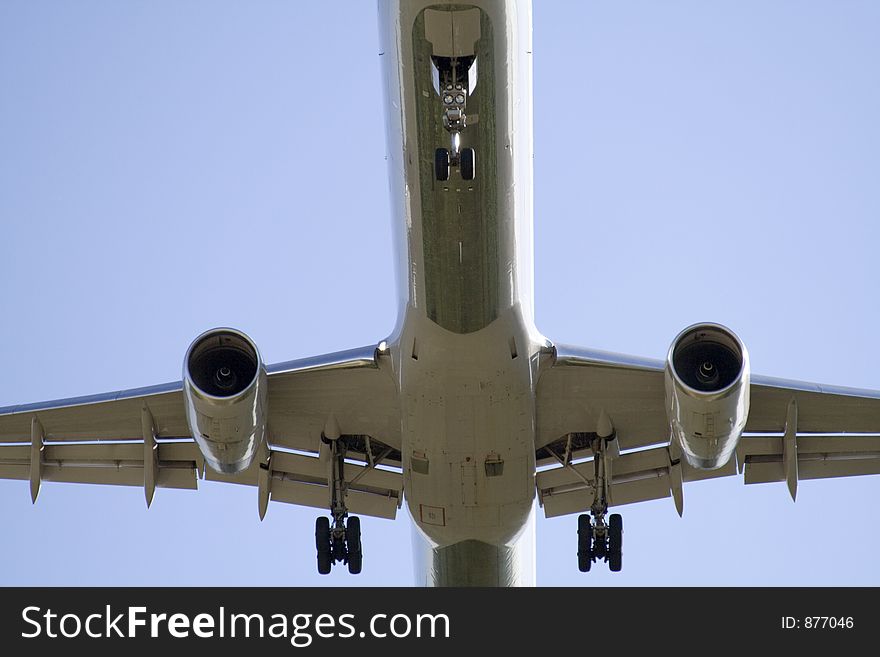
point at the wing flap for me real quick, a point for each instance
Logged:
(117, 464)
(317, 496)
(636, 477)
(644, 475)
(767, 472)
(180, 478)
(818, 457)
(578, 499)
(304, 479)
(14, 471)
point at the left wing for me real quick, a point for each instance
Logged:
(140, 437)
(795, 431)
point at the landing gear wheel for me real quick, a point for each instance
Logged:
(325, 563)
(468, 163)
(441, 164)
(353, 542)
(585, 543)
(615, 543)
(322, 543)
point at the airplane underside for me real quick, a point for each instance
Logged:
(466, 413)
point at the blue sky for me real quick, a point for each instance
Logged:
(166, 167)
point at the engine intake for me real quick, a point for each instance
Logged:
(707, 393)
(224, 387)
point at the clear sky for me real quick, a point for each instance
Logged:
(166, 167)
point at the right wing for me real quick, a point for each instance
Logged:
(835, 432)
(140, 437)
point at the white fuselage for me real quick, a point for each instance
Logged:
(465, 349)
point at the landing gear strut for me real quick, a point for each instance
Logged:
(596, 539)
(338, 541)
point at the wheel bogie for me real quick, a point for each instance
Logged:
(341, 544)
(598, 541)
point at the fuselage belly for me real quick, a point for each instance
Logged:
(465, 350)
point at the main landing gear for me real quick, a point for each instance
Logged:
(338, 541)
(596, 539)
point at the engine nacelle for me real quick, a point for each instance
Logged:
(707, 393)
(224, 387)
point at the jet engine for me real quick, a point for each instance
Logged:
(707, 393)
(224, 388)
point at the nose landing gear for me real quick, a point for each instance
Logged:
(453, 87)
(465, 160)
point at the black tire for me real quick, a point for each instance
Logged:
(322, 543)
(615, 543)
(615, 562)
(322, 534)
(441, 164)
(468, 163)
(325, 563)
(353, 542)
(615, 520)
(585, 543)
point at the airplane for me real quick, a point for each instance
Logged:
(612, 418)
